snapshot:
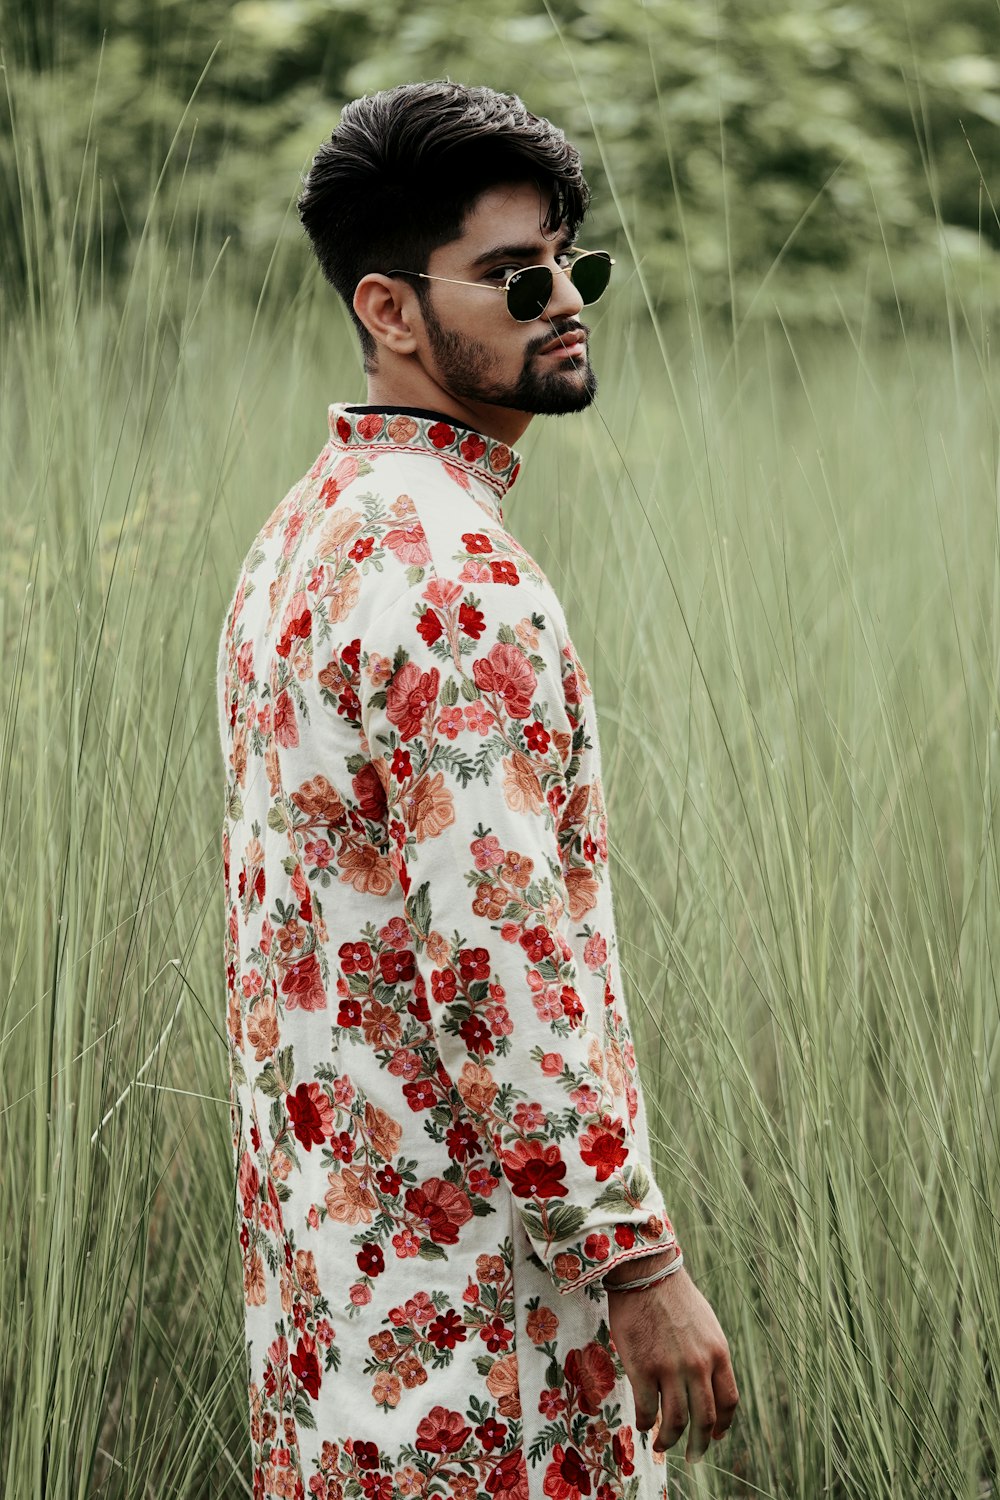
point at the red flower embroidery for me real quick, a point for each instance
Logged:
(592, 1371)
(476, 541)
(341, 476)
(566, 1477)
(507, 671)
(472, 447)
(536, 736)
(440, 1208)
(429, 627)
(305, 1365)
(401, 766)
(343, 429)
(602, 1147)
(441, 1431)
(389, 1180)
(534, 1170)
(397, 966)
(370, 425)
(441, 435)
(371, 1261)
(409, 544)
(366, 1455)
(623, 1450)
(355, 957)
(471, 622)
(496, 1335)
(462, 1141)
(474, 963)
(311, 1114)
(299, 625)
(286, 730)
(302, 985)
(444, 985)
(420, 1094)
(491, 1433)
(597, 1247)
(447, 1330)
(510, 1477)
(370, 793)
(408, 697)
(537, 943)
(476, 1035)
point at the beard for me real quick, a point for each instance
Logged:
(468, 370)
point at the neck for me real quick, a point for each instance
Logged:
(419, 389)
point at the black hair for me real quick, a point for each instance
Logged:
(404, 167)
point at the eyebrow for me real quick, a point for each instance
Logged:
(520, 252)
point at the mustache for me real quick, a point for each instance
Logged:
(558, 333)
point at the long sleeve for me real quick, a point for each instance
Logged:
(476, 722)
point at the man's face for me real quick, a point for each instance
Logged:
(478, 351)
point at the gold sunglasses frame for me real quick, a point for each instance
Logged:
(566, 271)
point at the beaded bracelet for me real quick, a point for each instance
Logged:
(643, 1281)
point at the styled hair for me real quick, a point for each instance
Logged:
(404, 167)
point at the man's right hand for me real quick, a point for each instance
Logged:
(675, 1356)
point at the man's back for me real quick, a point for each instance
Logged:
(436, 1119)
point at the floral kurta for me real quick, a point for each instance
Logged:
(439, 1138)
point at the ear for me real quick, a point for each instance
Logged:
(389, 309)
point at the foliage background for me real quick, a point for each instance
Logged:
(736, 140)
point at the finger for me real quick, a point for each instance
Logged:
(673, 1415)
(647, 1399)
(701, 1402)
(726, 1397)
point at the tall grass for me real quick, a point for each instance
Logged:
(778, 553)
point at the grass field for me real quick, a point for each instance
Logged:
(778, 554)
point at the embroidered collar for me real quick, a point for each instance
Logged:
(414, 430)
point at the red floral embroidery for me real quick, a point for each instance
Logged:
(303, 985)
(311, 1114)
(410, 694)
(603, 1147)
(440, 1209)
(441, 1431)
(422, 995)
(429, 627)
(534, 1170)
(507, 671)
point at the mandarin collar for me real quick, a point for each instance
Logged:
(496, 464)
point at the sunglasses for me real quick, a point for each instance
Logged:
(529, 291)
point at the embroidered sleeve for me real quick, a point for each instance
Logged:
(475, 725)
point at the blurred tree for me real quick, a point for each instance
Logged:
(751, 139)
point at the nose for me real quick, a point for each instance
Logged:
(565, 301)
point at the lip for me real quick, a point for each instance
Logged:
(570, 344)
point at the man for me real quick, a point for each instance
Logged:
(442, 1151)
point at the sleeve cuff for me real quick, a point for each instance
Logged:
(601, 1252)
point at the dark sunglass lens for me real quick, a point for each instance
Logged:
(591, 274)
(528, 293)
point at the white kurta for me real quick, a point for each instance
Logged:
(438, 1130)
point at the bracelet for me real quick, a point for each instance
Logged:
(642, 1282)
